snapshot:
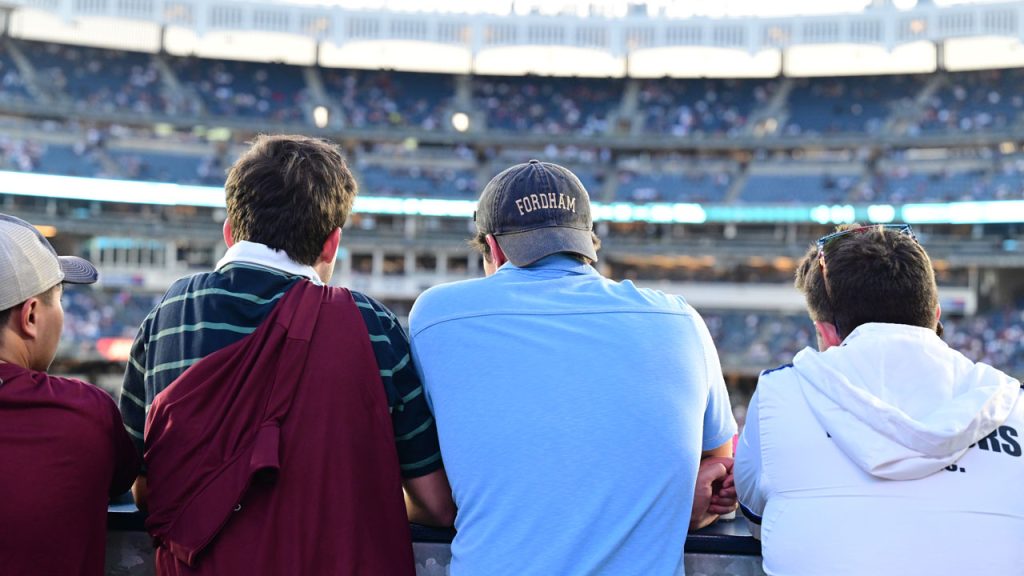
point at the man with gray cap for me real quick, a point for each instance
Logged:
(573, 411)
(63, 448)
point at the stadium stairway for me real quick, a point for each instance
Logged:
(318, 97)
(168, 77)
(315, 84)
(187, 99)
(903, 117)
(774, 109)
(739, 182)
(110, 166)
(629, 109)
(463, 102)
(867, 176)
(28, 73)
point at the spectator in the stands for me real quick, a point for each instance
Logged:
(887, 451)
(326, 447)
(63, 448)
(573, 411)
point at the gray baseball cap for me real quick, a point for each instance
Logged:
(537, 209)
(30, 266)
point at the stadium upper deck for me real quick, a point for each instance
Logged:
(120, 95)
(143, 87)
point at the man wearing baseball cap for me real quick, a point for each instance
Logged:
(63, 448)
(573, 411)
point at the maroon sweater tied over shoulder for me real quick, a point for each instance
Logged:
(276, 455)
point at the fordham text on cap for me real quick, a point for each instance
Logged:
(533, 202)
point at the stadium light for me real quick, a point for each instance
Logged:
(881, 213)
(321, 116)
(964, 212)
(845, 214)
(460, 121)
(48, 231)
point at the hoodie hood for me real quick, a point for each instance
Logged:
(900, 402)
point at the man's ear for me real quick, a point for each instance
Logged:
(28, 318)
(938, 312)
(229, 241)
(497, 255)
(828, 334)
(329, 252)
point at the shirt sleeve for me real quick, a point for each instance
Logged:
(748, 470)
(132, 400)
(419, 452)
(126, 456)
(719, 424)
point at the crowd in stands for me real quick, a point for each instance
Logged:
(20, 155)
(797, 188)
(271, 92)
(996, 338)
(694, 107)
(758, 340)
(529, 104)
(975, 102)
(903, 183)
(745, 340)
(12, 85)
(98, 152)
(379, 99)
(99, 80)
(418, 181)
(116, 81)
(93, 314)
(848, 104)
(90, 154)
(691, 186)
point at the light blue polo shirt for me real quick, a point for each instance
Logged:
(571, 411)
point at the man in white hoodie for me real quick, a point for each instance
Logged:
(886, 452)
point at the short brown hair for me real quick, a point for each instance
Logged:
(875, 275)
(290, 193)
(479, 242)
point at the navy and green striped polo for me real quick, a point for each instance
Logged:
(203, 313)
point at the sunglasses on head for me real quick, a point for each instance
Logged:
(902, 229)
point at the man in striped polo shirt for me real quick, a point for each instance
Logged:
(287, 200)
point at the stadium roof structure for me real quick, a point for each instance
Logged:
(880, 39)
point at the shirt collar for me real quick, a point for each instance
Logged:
(263, 255)
(559, 261)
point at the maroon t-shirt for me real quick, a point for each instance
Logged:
(63, 452)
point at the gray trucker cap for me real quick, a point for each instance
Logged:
(30, 266)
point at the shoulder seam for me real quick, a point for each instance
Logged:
(776, 369)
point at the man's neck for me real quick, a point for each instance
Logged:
(16, 355)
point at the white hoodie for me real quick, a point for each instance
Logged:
(827, 437)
